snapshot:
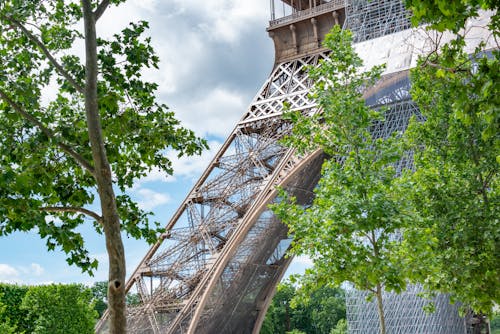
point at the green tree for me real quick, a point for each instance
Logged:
(5, 324)
(317, 309)
(101, 131)
(60, 309)
(341, 327)
(312, 310)
(349, 230)
(451, 15)
(279, 315)
(100, 297)
(495, 323)
(455, 247)
(11, 296)
(295, 331)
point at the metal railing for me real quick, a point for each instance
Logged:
(310, 12)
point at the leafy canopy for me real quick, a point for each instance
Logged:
(46, 182)
(455, 247)
(349, 230)
(60, 309)
(315, 310)
(451, 15)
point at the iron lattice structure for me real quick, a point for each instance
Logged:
(404, 314)
(223, 229)
(215, 267)
(372, 19)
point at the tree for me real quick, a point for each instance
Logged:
(12, 296)
(60, 309)
(455, 246)
(341, 327)
(312, 310)
(102, 130)
(451, 15)
(5, 324)
(100, 297)
(350, 229)
(279, 315)
(317, 309)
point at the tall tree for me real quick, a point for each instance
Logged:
(311, 309)
(101, 131)
(60, 309)
(456, 246)
(6, 327)
(349, 230)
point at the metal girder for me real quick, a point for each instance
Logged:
(243, 173)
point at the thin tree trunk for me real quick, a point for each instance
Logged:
(380, 308)
(110, 217)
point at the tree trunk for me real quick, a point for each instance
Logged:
(380, 308)
(110, 217)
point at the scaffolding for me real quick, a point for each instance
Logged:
(371, 19)
(404, 313)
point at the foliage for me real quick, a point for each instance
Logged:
(454, 249)
(60, 309)
(341, 327)
(102, 130)
(47, 309)
(279, 315)
(100, 297)
(11, 296)
(456, 183)
(292, 312)
(38, 171)
(495, 323)
(349, 230)
(451, 15)
(5, 324)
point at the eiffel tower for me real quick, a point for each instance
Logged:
(216, 266)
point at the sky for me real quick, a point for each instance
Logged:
(215, 55)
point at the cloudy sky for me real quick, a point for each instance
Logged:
(215, 55)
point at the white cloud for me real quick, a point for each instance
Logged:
(216, 112)
(8, 273)
(150, 199)
(225, 19)
(20, 274)
(37, 269)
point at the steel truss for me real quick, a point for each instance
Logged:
(404, 314)
(371, 19)
(223, 230)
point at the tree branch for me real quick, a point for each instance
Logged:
(73, 210)
(47, 53)
(30, 118)
(101, 9)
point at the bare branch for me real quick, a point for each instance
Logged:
(30, 118)
(73, 210)
(101, 9)
(47, 53)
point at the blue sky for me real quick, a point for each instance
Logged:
(215, 55)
